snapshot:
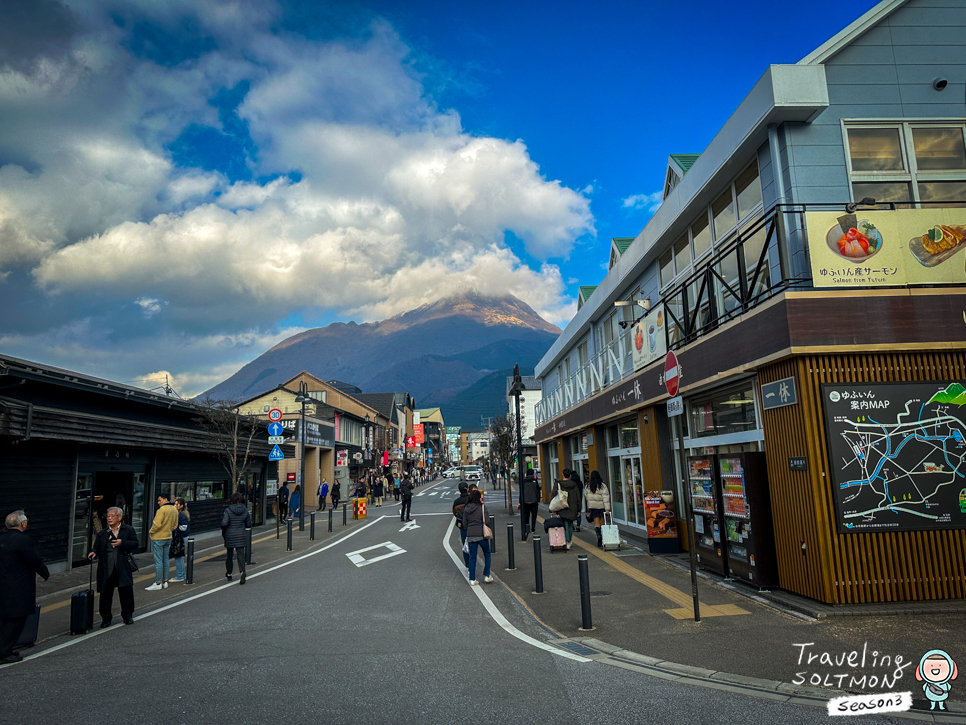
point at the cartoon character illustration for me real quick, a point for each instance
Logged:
(936, 669)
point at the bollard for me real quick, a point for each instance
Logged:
(344, 509)
(330, 521)
(587, 622)
(511, 559)
(248, 545)
(301, 520)
(492, 524)
(288, 543)
(525, 529)
(312, 526)
(190, 561)
(537, 566)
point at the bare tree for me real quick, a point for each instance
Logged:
(503, 446)
(231, 435)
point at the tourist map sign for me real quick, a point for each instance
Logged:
(898, 455)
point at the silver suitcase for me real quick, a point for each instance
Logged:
(610, 535)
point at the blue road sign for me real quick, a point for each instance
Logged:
(276, 454)
(275, 429)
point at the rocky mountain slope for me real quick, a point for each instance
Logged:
(433, 352)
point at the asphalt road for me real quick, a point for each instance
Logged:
(376, 626)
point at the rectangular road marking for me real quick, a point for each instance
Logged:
(682, 599)
(357, 558)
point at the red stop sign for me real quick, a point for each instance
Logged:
(672, 378)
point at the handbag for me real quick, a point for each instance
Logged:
(131, 562)
(487, 531)
(177, 546)
(559, 502)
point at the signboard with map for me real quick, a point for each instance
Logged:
(898, 455)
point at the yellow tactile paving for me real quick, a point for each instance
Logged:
(682, 599)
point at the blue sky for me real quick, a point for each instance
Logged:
(183, 184)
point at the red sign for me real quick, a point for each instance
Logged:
(275, 415)
(291, 477)
(418, 431)
(385, 458)
(672, 378)
(410, 442)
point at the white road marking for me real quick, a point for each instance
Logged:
(495, 613)
(423, 493)
(98, 632)
(357, 558)
(410, 526)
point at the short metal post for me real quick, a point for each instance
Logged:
(492, 524)
(537, 566)
(312, 526)
(344, 514)
(288, 543)
(511, 559)
(248, 545)
(190, 561)
(587, 622)
(330, 521)
(301, 518)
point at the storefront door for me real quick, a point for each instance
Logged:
(627, 492)
(95, 493)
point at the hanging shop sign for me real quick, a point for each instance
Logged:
(418, 434)
(649, 338)
(342, 458)
(897, 454)
(887, 248)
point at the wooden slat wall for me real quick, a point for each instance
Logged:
(653, 475)
(850, 568)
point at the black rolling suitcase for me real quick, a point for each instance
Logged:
(28, 637)
(82, 608)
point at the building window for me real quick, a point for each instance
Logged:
(723, 412)
(907, 162)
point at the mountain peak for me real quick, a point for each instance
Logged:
(488, 310)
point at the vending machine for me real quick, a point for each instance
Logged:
(703, 486)
(732, 516)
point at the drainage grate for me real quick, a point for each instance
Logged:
(599, 594)
(577, 648)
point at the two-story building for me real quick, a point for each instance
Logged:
(806, 270)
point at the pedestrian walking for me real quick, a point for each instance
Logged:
(112, 548)
(580, 494)
(165, 522)
(530, 495)
(572, 512)
(336, 493)
(406, 494)
(458, 505)
(294, 501)
(178, 539)
(597, 503)
(323, 493)
(283, 494)
(397, 482)
(233, 524)
(474, 517)
(20, 565)
(378, 490)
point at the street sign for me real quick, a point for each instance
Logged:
(671, 377)
(275, 429)
(675, 406)
(274, 440)
(276, 454)
(274, 415)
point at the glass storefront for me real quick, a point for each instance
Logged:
(625, 476)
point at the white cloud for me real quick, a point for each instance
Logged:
(650, 202)
(396, 204)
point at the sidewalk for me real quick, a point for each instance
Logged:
(643, 604)
(209, 570)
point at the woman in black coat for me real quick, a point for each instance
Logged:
(113, 568)
(233, 524)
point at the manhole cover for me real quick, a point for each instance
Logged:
(599, 594)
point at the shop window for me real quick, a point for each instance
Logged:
(939, 149)
(206, 490)
(628, 435)
(875, 149)
(666, 263)
(613, 437)
(682, 254)
(748, 190)
(723, 412)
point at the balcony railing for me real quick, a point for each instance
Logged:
(747, 269)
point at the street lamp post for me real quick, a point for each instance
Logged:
(516, 390)
(303, 398)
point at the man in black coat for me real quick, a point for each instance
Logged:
(574, 476)
(19, 566)
(112, 547)
(406, 492)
